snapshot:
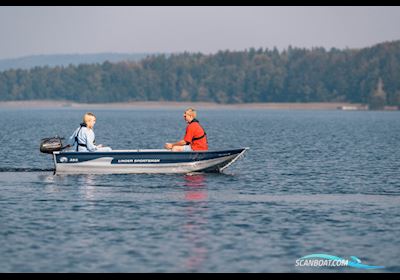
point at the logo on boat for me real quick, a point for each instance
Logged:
(138, 160)
(63, 159)
(323, 260)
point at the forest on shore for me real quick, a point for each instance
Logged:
(369, 75)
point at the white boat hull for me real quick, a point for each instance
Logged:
(144, 161)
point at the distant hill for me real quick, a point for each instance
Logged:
(32, 61)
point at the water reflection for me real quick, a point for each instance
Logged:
(85, 184)
(195, 187)
(49, 181)
(88, 188)
(195, 227)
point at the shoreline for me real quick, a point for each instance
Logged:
(39, 104)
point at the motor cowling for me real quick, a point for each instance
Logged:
(51, 144)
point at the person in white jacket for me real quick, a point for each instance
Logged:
(83, 138)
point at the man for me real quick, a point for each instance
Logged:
(195, 138)
(83, 138)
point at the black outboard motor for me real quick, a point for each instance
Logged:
(50, 145)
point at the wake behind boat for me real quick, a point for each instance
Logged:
(144, 161)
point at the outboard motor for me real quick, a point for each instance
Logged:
(50, 145)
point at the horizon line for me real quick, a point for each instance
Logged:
(195, 52)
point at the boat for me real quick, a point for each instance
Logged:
(144, 161)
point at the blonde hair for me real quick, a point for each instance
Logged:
(191, 112)
(87, 116)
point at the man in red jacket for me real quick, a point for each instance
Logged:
(195, 138)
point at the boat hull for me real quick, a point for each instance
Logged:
(144, 161)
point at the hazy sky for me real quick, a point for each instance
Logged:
(61, 30)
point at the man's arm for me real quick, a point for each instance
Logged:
(169, 146)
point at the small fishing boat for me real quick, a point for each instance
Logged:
(137, 161)
(144, 161)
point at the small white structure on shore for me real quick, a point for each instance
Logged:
(353, 107)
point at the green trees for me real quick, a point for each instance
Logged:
(254, 75)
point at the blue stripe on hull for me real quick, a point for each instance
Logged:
(145, 157)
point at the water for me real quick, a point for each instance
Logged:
(312, 182)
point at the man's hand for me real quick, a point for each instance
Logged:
(168, 146)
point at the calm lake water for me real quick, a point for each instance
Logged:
(312, 182)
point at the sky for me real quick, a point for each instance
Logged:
(40, 30)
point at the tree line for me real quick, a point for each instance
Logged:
(253, 75)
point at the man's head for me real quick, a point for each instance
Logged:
(89, 119)
(189, 114)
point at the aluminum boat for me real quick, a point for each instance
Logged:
(144, 161)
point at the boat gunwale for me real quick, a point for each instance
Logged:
(149, 151)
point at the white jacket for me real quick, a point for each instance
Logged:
(85, 136)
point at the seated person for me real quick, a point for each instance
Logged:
(83, 138)
(195, 138)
